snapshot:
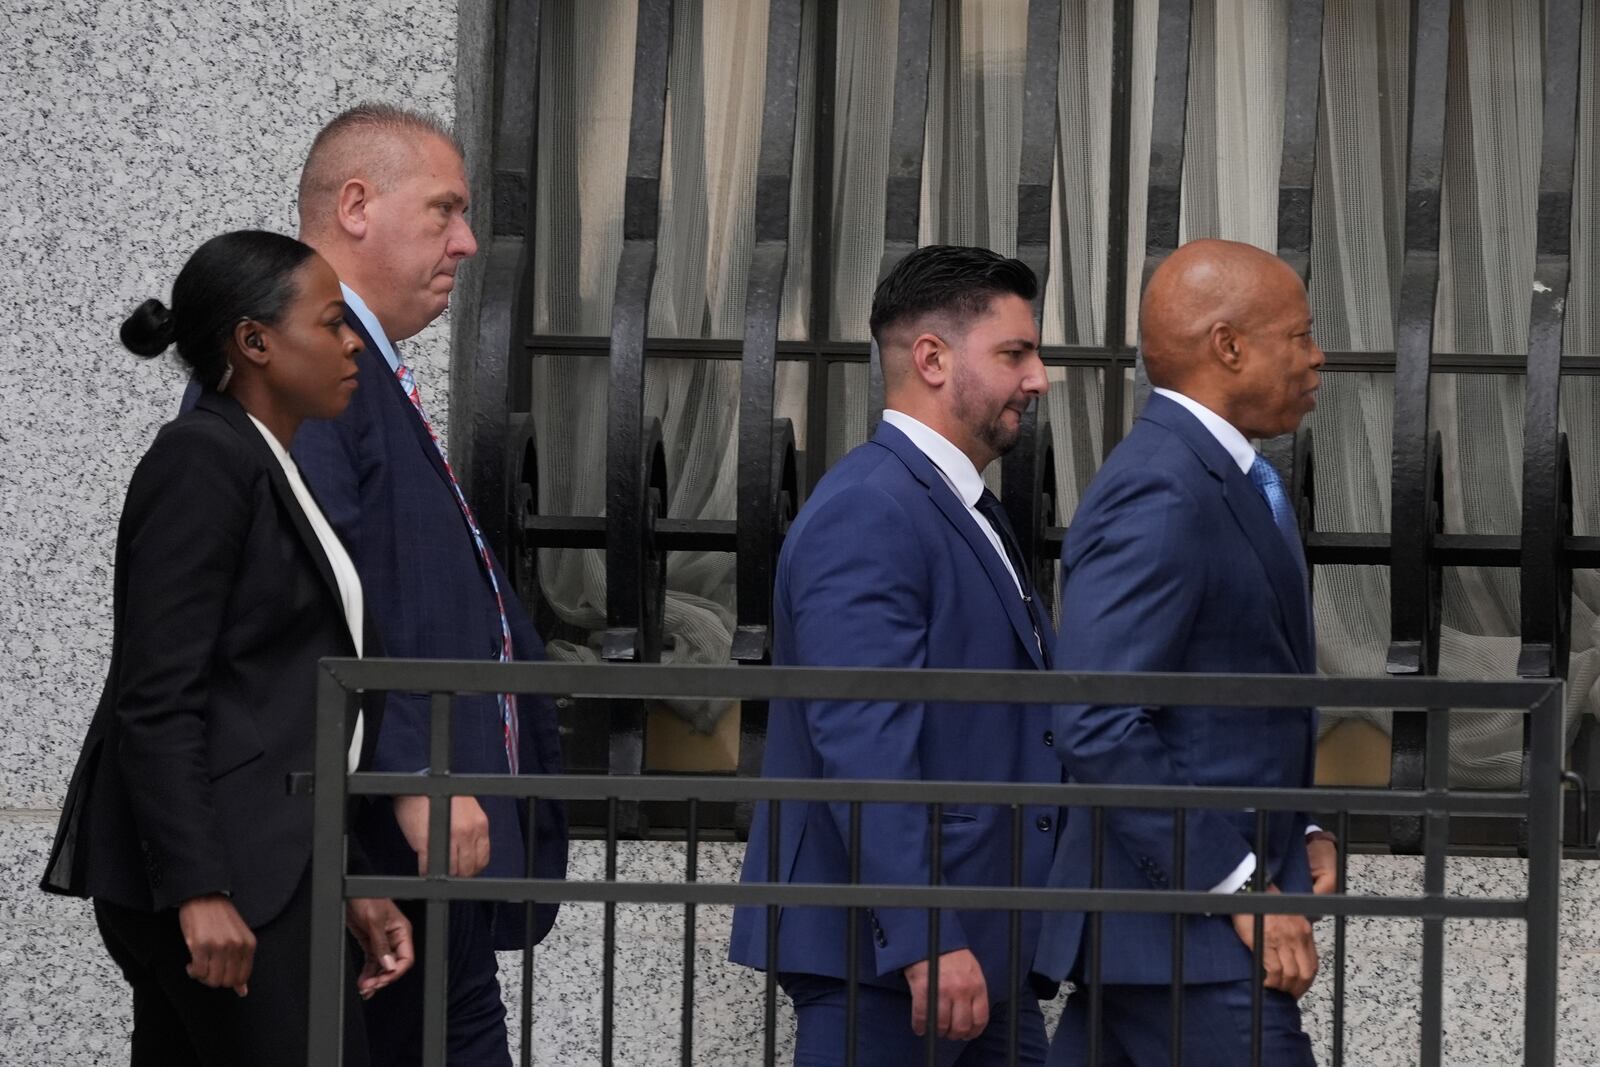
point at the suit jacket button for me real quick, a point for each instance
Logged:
(1049, 738)
(1044, 823)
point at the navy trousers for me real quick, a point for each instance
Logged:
(883, 1029)
(1136, 1028)
(476, 1028)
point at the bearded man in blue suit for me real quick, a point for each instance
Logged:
(901, 558)
(1185, 556)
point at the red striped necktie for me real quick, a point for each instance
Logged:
(508, 701)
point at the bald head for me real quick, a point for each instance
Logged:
(1228, 325)
(374, 143)
(1201, 285)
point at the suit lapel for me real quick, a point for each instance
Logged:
(229, 409)
(922, 468)
(392, 389)
(1250, 511)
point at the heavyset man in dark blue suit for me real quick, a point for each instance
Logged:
(1184, 556)
(901, 558)
(383, 197)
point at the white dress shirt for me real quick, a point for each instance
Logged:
(357, 305)
(1244, 454)
(344, 571)
(958, 473)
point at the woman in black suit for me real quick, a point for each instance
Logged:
(229, 586)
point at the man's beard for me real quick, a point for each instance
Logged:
(991, 431)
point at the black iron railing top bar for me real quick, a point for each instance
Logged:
(667, 681)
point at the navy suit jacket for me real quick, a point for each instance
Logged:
(1173, 563)
(385, 490)
(886, 568)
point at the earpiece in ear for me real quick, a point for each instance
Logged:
(254, 341)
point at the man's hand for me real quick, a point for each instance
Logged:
(469, 833)
(384, 935)
(963, 996)
(1290, 953)
(1323, 856)
(221, 946)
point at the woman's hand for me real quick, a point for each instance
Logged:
(221, 946)
(384, 935)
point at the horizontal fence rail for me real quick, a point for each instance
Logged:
(1537, 805)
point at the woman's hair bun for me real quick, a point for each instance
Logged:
(149, 330)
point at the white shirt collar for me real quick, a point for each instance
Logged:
(1225, 432)
(374, 327)
(272, 442)
(951, 461)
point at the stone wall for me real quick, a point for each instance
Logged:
(130, 132)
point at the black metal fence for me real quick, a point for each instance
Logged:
(1536, 806)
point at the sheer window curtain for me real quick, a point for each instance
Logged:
(1233, 138)
(716, 82)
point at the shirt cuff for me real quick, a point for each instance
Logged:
(1312, 828)
(1241, 874)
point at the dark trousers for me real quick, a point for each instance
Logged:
(1216, 1028)
(177, 1022)
(475, 1030)
(883, 1029)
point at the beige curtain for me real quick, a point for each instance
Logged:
(972, 146)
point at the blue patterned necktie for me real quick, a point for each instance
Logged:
(1265, 478)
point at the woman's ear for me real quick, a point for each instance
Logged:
(250, 337)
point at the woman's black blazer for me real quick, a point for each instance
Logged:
(224, 602)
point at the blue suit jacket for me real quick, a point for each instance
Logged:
(384, 488)
(886, 568)
(1172, 563)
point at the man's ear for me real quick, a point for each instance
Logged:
(930, 358)
(250, 338)
(1224, 346)
(355, 196)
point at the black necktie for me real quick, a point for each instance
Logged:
(990, 508)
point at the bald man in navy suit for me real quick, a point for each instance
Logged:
(1185, 555)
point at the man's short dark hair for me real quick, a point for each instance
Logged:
(955, 281)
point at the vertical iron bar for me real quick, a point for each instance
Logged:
(1414, 608)
(1340, 923)
(826, 89)
(630, 317)
(852, 953)
(1168, 121)
(530, 844)
(1097, 859)
(1544, 876)
(1436, 839)
(770, 1007)
(1180, 879)
(1301, 112)
(435, 954)
(1259, 921)
(902, 210)
(691, 875)
(757, 518)
(1117, 192)
(935, 858)
(325, 1030)
(608, 961)
(1013, 980)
